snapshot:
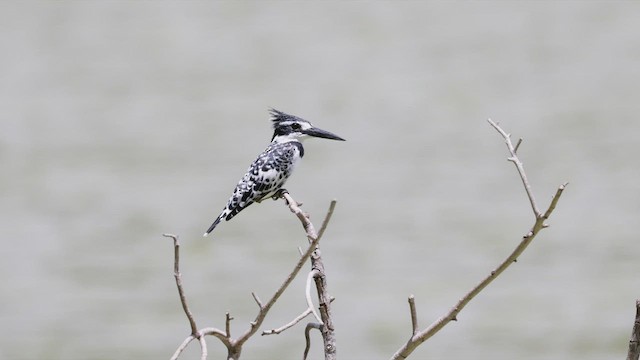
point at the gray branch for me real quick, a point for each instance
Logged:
(234, 346)
(317, 266)
(418, 337)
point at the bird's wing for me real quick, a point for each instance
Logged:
(264, 177)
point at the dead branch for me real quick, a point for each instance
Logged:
(418, 337)
(234, 346)
(297, 319)
(634, 343)
(414, 315)
(289, 324)
(317, 266)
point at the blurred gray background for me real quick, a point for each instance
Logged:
(121, 121)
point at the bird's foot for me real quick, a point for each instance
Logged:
(279, 194)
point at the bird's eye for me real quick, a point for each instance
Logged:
(295, 126)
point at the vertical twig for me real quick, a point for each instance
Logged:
(317, 265)
(414, 315)
(516, 161)
(234, 346)
(178, 277)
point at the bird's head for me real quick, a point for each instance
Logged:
(288, 127)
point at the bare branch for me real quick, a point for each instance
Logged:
(182, 346)
(515, 150)
(219, 334)
(289, 324)
(203, 348)
(312, 274)
(419, 337)
(227, 324)
(519, 166)
(178, 277)
(308, 310)
(255, 324)
(414, 315)
(634, 343)
(327, 218)
(257, 299)
(304, 219)
(554, 201)
(327, 329)
(234, 346)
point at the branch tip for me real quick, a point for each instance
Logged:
(515, 150)
(227, 324)
(257, 300)
(414, 315)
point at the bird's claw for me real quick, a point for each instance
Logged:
(279, 194)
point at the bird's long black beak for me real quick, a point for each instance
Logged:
(314, 131)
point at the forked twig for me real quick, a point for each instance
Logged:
(516, 161)
(307, 311)
(312, 275)
(234, 346)
(284, 327)
(324, 299)
(414, 315)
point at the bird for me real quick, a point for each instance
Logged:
(271, 169)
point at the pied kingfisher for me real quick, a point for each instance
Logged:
(268, 173)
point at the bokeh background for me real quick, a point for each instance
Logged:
(121, 121)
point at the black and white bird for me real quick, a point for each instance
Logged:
(268, 173)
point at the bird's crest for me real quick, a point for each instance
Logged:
(278, 117)
(287, 127)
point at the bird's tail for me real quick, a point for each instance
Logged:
(213, 226)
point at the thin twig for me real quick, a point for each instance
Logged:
(554, 201)
(515, 150)
(203, 348)
(324, 299)
(178, 277)
(227, 324)
(289, 324)
(307, 338)
(219, 334)
(634, 343)
(308, 310)
(234, 346)
(304, 219)
(327, 218)
(257, 299)
(414, 315)
(539, 224)
(182, 346)
(516, 161)
(255, 324)
(312, 274)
